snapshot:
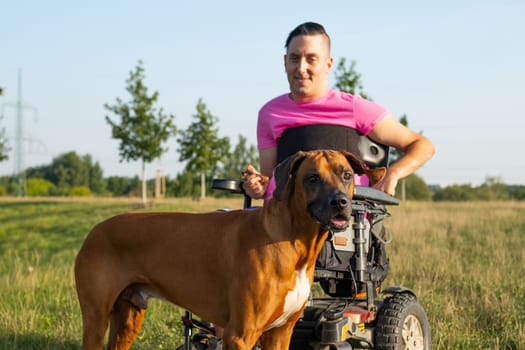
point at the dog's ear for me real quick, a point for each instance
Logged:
(374, 175)
(284, 173)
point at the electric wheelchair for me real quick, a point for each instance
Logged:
(354, 311)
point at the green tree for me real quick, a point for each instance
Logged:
(464, 192)
(239, 158)
(7, 185)
(416, 188)
(201, 145)
(143, 128)
(65, 171)
(516, 191)
(185, 184)
(4, 149)
(348, 80)
(96, 182)
(395, 154)
(492, 189)
(70, 170)
(122, 186)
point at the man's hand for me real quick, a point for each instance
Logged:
(387, 184)
(255, 183)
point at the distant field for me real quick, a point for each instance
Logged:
(465, 261)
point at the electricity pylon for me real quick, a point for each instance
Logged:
(19, 138)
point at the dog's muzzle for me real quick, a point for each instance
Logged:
(333, 213)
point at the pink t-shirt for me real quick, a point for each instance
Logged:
(336, 107)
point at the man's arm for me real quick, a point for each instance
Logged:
(268, 160)
(417, 150)
(256, 182)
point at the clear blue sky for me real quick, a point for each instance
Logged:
(456, 68)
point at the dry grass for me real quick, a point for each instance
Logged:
(466, 263)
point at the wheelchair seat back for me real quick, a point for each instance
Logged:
(335, 137)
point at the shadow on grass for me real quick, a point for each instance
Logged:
(41, 342)
(36, 342)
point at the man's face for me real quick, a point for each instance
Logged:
(308, 63)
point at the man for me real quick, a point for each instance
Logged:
(308, 64)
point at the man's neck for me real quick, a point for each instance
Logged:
(307, 98)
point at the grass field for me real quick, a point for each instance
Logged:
(465, 261)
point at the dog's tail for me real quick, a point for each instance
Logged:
(125, 323)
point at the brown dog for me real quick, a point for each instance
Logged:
(249, 271)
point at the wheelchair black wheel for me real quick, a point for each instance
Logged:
(195, 346)
(402, 324)
(202, 341)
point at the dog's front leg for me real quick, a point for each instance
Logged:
(233, 341)
(277, 338)
(240, 336)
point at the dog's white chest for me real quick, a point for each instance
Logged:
(295, 298)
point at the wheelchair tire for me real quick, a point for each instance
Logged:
(193, 347)
(202, 341)
(402, 324)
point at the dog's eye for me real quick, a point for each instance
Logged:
(313, 179)
(347, 176)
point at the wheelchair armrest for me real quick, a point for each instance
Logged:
(360, 192)
(234, 186)
(371, 194)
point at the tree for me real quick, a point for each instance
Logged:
(395, 154)
(3, 139)
(416, 188)
(122, 186)
(4, 149)
(69, 170)
(493, 189)
(348, 80)
(143, 128)
(185, 184)
(241, 156)
(201, 146)
(96, 181)
(516, 192)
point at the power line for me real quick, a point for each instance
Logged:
(19, 170)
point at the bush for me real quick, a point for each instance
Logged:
(80, 191)
(3, 190)
(38, 187)
(67, 191)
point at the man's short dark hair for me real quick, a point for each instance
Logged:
(307, 28)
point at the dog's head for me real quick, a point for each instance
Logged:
(322, 181)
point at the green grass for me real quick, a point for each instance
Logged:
(465, 261)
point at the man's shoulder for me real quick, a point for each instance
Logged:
(337, 95)
(278, 102)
